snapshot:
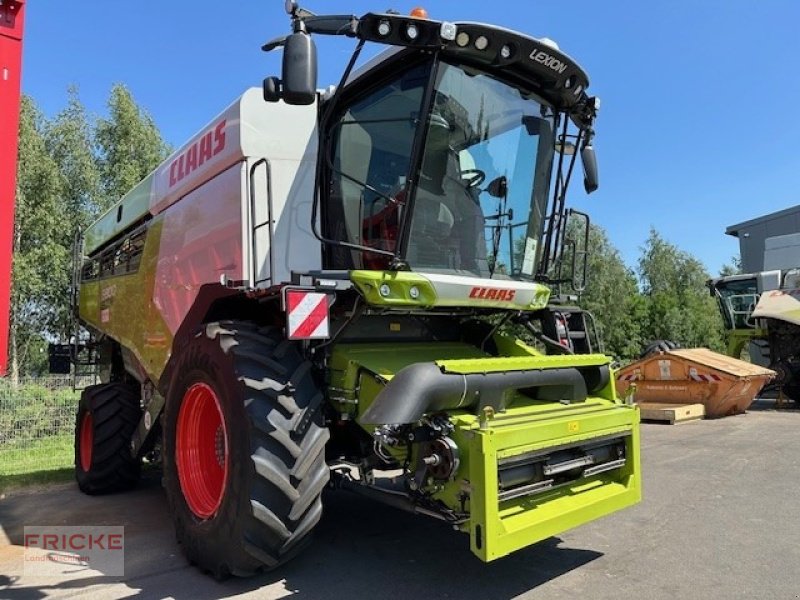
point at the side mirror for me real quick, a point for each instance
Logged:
(589, 160)
(272, 89)
(299, 85)
(498, 188)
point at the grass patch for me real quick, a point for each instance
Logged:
(44, 454)
(46, 460)
(8, 482)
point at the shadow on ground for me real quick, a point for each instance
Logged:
(360, 549)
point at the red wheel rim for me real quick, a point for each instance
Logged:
(201, 450)
(87, 440)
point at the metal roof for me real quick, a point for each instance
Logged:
(734, 229)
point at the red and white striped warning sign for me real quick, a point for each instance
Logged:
(306, 315)
(693, 374)
(635, 376)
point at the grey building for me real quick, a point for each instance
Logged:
(752, 234)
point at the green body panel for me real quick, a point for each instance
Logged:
(122, 307)
(521, 363)
(386, 359)
(499, 528)
(360, 372)
(738, 339)
(430, 293)
(399, 283)
(131, 208)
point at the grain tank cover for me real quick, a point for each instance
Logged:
(247, 128)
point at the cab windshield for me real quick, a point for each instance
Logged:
(737, 300)
(475, 192)
(484, 179)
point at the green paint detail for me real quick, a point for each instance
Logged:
(386, 359)
(132, 318)
(135, 205)
(399, 284)
(739, 338)
(499, 528)
(521, 363)
(511, 346)
(359, 371)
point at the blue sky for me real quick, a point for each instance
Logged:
(699, 99)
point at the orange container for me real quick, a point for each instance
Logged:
(724, 385)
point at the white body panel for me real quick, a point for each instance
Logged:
(768, 280)
(277, 143)
(782, 252)
(459, 290)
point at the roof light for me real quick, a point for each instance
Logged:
(419, 13)
(412, 32)
(505, 51)
(448, 31)
(384, 27)
(481, 42)
(462, 39)
(548, 42)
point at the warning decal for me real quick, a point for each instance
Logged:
(306, 315)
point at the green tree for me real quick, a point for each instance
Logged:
(39, 254)
(128, 146)
(612, 296)
(732, 268)
(678, 306)
(70, 138)
(70, 170)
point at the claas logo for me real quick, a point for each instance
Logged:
(484, 293)
(208, 146)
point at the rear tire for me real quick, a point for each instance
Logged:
(260, 503)
(659, 346)
(107, 417)
(792, 391)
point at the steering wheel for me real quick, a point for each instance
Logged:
(473, 177)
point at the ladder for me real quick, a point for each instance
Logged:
(83, 345)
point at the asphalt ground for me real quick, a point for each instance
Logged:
(719, 520)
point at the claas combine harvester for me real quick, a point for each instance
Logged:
(317, 291)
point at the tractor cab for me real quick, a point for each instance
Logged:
(737, 297)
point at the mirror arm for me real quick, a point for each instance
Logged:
(277, 42)
(330, 25)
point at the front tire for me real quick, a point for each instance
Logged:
(244, 449)
(108, 414)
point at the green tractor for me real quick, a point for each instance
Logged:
(351, 289)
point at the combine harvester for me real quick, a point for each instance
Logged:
(313, 288)
(761, 312)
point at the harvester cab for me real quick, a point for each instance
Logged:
(437, 155)
(354, 287)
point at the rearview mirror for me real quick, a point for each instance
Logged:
(498, 188)
(299, 85)
(589, 160)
